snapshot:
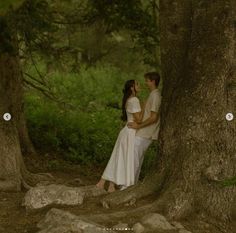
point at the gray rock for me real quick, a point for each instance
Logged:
(184, 231)
(42, 196)
(138, 228)
(177, 225)
(61, 229)
(59, 221)
(156, 221)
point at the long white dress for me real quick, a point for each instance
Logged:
(120, 168)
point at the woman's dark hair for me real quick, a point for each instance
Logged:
(127, 92)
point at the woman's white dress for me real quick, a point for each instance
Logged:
(120, 168)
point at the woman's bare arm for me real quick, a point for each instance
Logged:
(138, 116)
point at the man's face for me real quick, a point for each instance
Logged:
(150, 83)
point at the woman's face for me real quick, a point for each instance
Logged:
(137, 86)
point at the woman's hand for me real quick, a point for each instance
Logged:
(133, 125)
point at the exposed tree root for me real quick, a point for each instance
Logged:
(175, 202)
(131, 194)
(25, 184)
(30, 179)
(181, 207)
(137, 212)
(24, 180)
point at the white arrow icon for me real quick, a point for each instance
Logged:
(229, 116)
(7, 116)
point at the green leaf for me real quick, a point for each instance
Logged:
(229, 182)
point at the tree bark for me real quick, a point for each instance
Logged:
(27, 147)
(13, 173)
(10, 151)
(196, 141)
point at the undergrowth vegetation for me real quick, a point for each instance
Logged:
(83, 121)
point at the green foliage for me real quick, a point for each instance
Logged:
(77, 33)
(131, 15)
(34, 24)
(43, 120)
(54, 165)
(82, 137)
(229, 182)
(85, 129)
(103, 43)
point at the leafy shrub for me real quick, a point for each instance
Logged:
(84, 130)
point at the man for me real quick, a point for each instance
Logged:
(148, 129)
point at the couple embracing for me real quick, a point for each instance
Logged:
(142, 127)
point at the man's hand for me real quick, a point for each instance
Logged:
(133, 125)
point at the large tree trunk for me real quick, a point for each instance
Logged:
(10, 151)
(27, 147)
(197, 142)
(197, 149)
(13, 173)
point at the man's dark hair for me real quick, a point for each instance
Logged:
(153, 76)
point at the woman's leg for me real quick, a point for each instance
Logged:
(111, 187)
(101, 183)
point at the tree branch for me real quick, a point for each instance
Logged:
(45, 92)
(48, 94)
(36, 80)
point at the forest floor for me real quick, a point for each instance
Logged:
(15, 219)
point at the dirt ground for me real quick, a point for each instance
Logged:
(15, 219)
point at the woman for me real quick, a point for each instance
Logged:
(120, 168)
